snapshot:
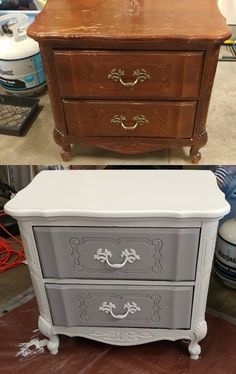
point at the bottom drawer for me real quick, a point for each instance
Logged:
(123, 306)
(139, 119)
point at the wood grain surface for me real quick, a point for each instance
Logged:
(169, 75)
(181, 20)
(175, 45)
(161, 119)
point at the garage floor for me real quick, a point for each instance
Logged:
(37, 146)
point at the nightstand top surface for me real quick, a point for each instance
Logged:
(121, 194)
(161, 20)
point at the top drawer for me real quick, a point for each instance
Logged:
(118, 253)
(144, 75)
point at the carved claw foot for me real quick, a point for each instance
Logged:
(195, 155)
(198, 334)
(46, 329)
(198, 142)
(66, 153)
(53, 345)
(194, 350)
(61, 140)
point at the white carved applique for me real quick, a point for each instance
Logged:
(121, 335)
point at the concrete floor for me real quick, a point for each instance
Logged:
(37, 146)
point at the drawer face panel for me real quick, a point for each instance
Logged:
(127, 306)
(138, 119)
(173, 75)
(117, 253)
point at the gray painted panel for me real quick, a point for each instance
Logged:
(164, 253)
(158, 307)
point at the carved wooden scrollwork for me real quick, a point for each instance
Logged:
(198, 142)
(162, 117)
(61, 140)
(164, 73)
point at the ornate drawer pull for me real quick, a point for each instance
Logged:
(139, 120)
(108, 308)
(103, 255)
(140, 74)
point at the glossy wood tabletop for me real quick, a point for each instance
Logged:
(178, 20)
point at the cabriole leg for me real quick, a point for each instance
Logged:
(46, 329)
(66, 153)
(61, 140)
(197, 335)
(198, 142)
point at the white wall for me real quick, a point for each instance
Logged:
(228, 9)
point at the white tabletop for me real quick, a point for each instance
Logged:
(121, 193)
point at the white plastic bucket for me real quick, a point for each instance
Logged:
(21, 68)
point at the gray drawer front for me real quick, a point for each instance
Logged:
(144, 306)
(142, 253)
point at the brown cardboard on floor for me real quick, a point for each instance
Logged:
(83, 356)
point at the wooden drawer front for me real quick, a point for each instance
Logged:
(137, 306)
(117, 253)
(120, 118)
(158, 75)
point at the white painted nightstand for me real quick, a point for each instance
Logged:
(122, 257)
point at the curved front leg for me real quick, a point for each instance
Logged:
(197, 335)
(66, 153)
(46, 329)
(198, 142)
(60, 139)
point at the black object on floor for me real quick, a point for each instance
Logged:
(16, 114)
(7, 222)
(10, 224)
(17, 5)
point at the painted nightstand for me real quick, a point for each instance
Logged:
(122, 257)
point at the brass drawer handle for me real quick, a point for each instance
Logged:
(139, 120)
(103, 255)
(108, 308)
(140, 74)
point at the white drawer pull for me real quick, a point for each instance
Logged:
(103, 255)
(108, 308)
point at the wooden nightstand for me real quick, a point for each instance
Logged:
(124, 260)
(131, 76)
